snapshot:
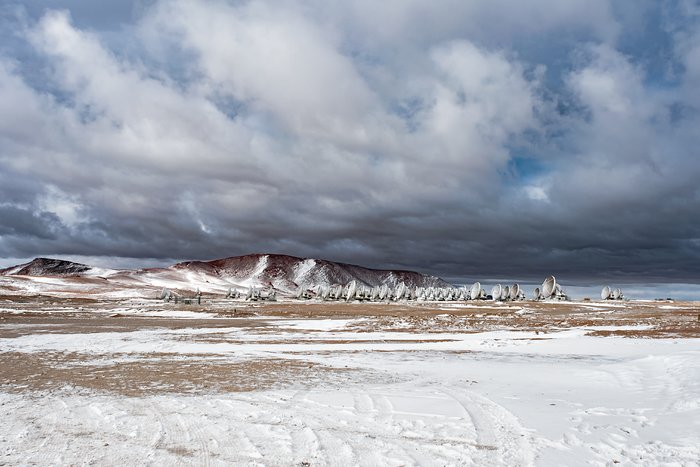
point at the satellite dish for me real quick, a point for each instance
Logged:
(496, 292)
(400, 291)
(363, 292)
(505, 293)
(549, 286)
(537, 294)
(616, 294)
(475, 291)
(515, 292)
(352, 287)
(605, 293)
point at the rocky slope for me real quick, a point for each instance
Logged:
(46, 267)
(284, 273)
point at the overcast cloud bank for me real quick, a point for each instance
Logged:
(463, 139)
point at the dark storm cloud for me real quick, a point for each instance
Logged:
(25, 223)
(467, 139)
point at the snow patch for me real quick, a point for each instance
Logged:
(302, 269)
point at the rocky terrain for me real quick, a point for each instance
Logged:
(281, 272)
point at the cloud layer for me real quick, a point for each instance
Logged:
(467, 139)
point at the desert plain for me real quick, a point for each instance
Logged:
(95, 381)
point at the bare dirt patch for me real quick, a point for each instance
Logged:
(663, 319)
(158, 374)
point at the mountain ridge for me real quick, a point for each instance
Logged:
(279, 271)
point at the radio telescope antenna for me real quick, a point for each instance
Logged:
(475, 291)
(400, 291)
(515, 292)
(549, 286)
(505, 293)
(352, 287)
(496, 292)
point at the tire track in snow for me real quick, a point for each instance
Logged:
(372, 432)
(306, 443)
(170, 438)
(497, 429)
(324, 426)
(196, 446)
(386, 413)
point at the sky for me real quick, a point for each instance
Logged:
(480, 139)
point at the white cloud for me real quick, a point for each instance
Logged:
(371, 128)
(536, 193)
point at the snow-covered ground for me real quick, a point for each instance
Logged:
(504, 397)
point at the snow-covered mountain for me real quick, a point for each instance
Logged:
(284, 273)
(289, 272)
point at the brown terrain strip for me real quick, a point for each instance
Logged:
(89, 315)
(160, 374)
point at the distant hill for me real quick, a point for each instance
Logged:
(284, 273)
(46, 267)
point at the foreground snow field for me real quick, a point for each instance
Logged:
(582, 384)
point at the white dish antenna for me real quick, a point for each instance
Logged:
(537, 294)
(505, 293)
(383, 292)
(400, 291)
(549, 286)
(496, 292)
(475, 291)
(616, 294)
(352, 287)
(605, 293)
(514, 291)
